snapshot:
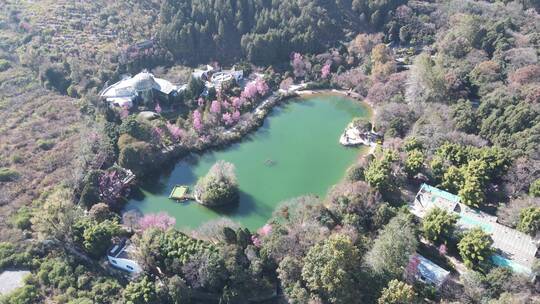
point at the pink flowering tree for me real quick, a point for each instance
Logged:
(255, 88)
(299, 65)
(237, 102)
(200, 102)
(236, 116)
(160, 134)
(325, 71)
(250, 91)
(286, 83)
(227, 119)
(412, 268)
(226, 105)
(197, 121)
(111, 187)
(262, 232)
(265, 230)
(215, 107)
(442, 249)
(156, 220)
(262, 86)
(176, 132)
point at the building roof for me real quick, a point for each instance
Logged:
(429, 197)
(123, 249)
(430, 272)
(143, 81)
(117, 248)
(516, 249)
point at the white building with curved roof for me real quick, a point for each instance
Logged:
(124, 92)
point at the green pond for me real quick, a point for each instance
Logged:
(296, 152)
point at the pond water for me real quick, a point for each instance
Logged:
(296, 152)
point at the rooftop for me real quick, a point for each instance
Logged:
(122, 250)
(141, 82)
(516, 249)
(430, 272)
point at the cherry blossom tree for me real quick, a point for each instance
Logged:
(262, 232)
(286, 83)
(227, 119)
(176, 132)
(442, 249)
(300, 67)
(250, 91)
(265, 230)
(226, 104)
(156, 220)
(215, 107)
(160, 134)
(255, 88)
(262, 87)
(111, 186)
(325, 71)
(237, 102)
(236, 116)
(197, 121)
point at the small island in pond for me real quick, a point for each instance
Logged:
(358, 132)
(219, 187)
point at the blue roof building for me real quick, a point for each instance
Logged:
(516, 250)
(429, 272)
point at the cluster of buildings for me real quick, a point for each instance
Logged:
(144, 89)
(514, 249)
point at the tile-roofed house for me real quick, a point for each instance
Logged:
(516, 250)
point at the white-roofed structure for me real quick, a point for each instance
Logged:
(124, 92)
(121, 256)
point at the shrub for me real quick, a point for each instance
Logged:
(438, 225)
(475, 248)
(137, 156)
(356, 173)
(534, 188)
(89, 196)
(125, 140)
(4, 65)
(414, 162)
(397, 292)
(21, 219)
(330, 269)
(529, 220)
(45, 144)
(219, 186)
(8, 175)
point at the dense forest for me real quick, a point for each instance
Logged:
(265, 32)
(455, 90)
